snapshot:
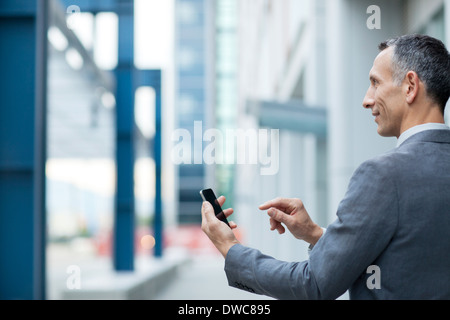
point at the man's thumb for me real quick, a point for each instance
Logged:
(278, 215)
(207, 209)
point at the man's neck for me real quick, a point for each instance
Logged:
(433, 115)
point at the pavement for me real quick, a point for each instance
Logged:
(203, 278)
(187, 272)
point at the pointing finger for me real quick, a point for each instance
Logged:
(280, 203)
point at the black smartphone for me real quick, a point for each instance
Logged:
(208, 195)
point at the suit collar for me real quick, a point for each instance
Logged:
(419, 128)
(437, 136)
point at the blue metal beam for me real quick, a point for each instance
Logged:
(58, 16)
(158, 221)
(93, 6)
(124, 222)
(152, 78)
(23, 61)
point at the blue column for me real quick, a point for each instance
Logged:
(158, 223)
(124, 222)
(23, 63)
(152, 78)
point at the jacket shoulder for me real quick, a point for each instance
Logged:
(385, 164)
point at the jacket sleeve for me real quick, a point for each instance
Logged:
(366, 221)
(248, 269)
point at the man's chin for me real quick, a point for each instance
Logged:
(384, 133)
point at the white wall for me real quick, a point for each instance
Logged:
(351, 48)
(274, 52)
(419, 12)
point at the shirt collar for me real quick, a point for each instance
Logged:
(419, 128)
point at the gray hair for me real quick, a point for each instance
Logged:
(426, 56)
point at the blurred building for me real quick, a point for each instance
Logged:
(206, 94)
(226, 86)
(86, 130)
(194, 65)
(303, 69)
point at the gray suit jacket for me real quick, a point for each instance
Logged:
(395, 216)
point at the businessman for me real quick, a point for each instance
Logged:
(395, 215)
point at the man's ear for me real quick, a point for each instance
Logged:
(412, 84)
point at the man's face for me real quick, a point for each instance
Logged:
(384, 97)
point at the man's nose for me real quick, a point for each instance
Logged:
(368, 101)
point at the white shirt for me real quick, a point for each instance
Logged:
(421, 127)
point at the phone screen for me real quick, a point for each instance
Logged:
(208, 195)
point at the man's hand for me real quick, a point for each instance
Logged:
(217, 231)
(292, 213)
